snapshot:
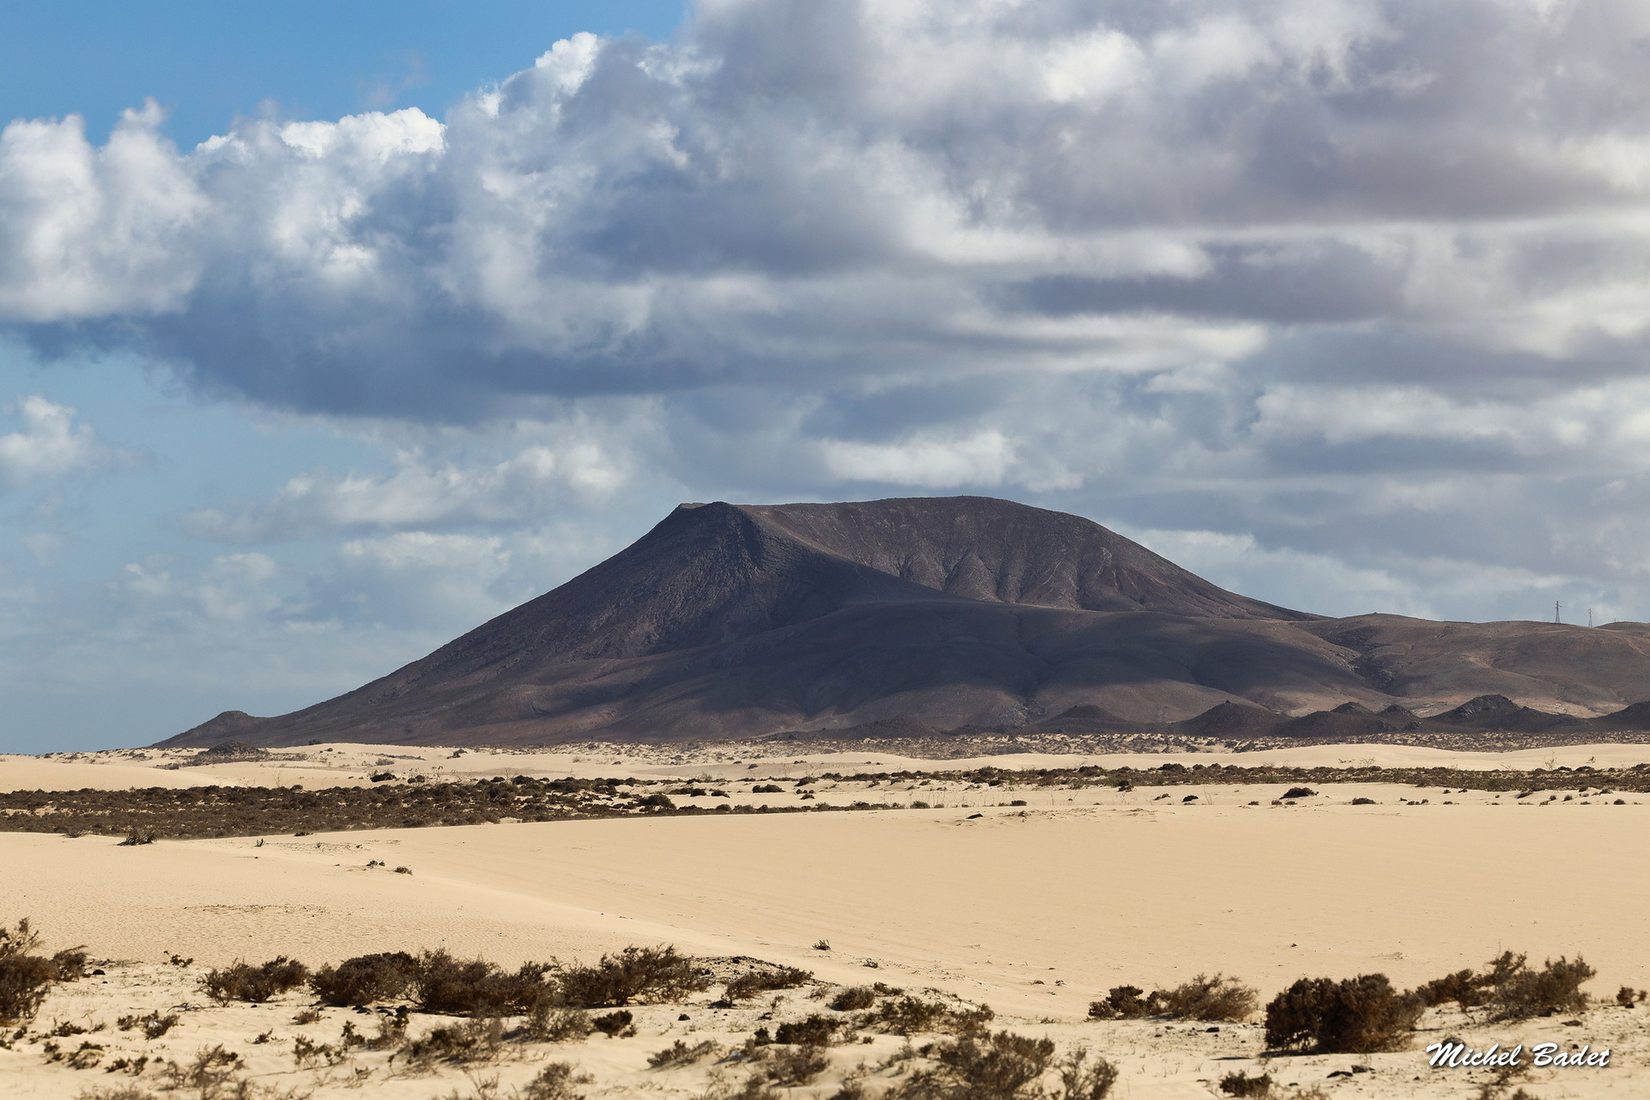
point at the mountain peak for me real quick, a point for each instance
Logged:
(735, 620)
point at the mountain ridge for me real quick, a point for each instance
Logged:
(729, 620)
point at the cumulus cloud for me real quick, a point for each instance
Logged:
(1323, 274)
(819, 193)
(422, 494)
(49, 444)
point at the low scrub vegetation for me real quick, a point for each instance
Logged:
(478, 988)
(681, 1053)
(1512, 989)
(1352, 1016)
(1006, 1066)
(854, 998)
(25, 977)
(634, 974)
(140, 815)
(1216, 998)
(907, 1015)
(764, 980)
(365, 979)
(254, 984)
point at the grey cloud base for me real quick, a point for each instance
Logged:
(1350, 295)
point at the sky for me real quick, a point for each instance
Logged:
(329, 331)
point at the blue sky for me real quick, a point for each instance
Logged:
(208, 63)
(328, 331)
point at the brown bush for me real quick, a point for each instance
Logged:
(1512, 989)
(1242, 1085)
(796, 1066)
(555, 1081)
(548, 1024)
(908, 1015)
(1004, 1066)
(255, 984)
(1353, 1016)
(854, 998)
(634, 974)
(680, 1053)
(1216, 999)
(1123, 1002)
(365, 979)
(815, 1031)
(749, 984)
(25, 977)
(1518, 992)
(153, 1026)
(474, 1040)
(479, 988)
(614, 1024)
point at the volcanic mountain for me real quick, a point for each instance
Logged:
(737, 620)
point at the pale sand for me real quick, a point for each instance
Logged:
(353, 765)
(1091, 896)
(1034, 910)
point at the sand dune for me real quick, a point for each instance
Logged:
(1091, 896)
(1034, 909)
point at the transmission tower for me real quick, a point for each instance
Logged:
(1556, 619)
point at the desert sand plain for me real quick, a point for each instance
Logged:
(1032, 899)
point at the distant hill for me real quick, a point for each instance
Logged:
(933, 613)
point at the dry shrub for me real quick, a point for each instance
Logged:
(1461, 988)
(1512, 989)
(680, 1053)
(1518, 992)
(211, 1073)
(634, 974)
(365, 979)
(556, 1081)
(1353, 1016)
(796, 1066)
(1216, 998)
(1081, 1079)
(614, 1025)
(1241, 1085)
(854, 998)
(815, 1031)
(474, 1040)
(26, 977)
(1123, 1002)
(749, 984)
(479, 988)
(548, 1024)
(908, 1015)
(1005, 1066)
(153, 1026)
(254, 984)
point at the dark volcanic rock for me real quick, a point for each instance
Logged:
(928, 614)
(1231, 719)
(1497, 712)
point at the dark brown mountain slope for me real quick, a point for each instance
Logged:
(729, 620)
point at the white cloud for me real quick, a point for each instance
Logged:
(89, 232)
(422, 492)
(929, 463)
(1336, 277)
(49, 444)
(816, 195)
(231, 588)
